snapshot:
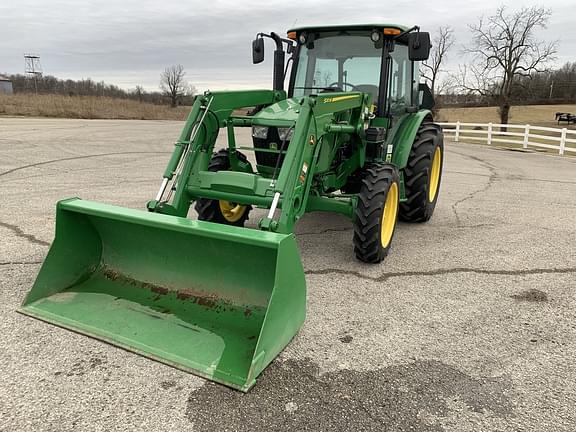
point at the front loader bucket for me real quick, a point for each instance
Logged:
(215, 300)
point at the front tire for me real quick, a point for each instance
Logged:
(423, 173)
(221, 211)
(376, 212)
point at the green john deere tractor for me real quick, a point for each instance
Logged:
(352, 134)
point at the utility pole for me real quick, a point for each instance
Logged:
(33, 68)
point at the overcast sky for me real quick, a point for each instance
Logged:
(129, 42)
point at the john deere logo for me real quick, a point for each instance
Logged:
(273, 146)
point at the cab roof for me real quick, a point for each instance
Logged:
(336, 27)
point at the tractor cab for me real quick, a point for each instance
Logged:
(376, 62)
(378, 59)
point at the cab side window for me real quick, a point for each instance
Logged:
(400, 82)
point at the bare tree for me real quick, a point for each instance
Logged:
(139, 93)
(192, 90)
(173, 84)
(504, 49)
(432, 68)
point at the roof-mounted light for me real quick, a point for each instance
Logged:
(391, 31)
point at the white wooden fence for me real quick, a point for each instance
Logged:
(561, 139)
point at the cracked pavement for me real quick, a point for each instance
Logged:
(467, 326)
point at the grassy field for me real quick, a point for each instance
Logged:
(92, 107)
(86, 107)
(537, 115)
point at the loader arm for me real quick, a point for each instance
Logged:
(289, 186)
(196, 142)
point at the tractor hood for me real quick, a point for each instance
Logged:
(283, 113)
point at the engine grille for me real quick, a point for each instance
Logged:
(272, 142)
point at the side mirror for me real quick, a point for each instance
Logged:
(425, 97)
(419, 46)
(258, 50)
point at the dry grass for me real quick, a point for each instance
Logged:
(86, 107)
(537, 115)
(93, 107)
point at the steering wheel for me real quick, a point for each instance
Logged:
(335, 85)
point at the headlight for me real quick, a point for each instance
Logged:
(260, 132)
(285, 134)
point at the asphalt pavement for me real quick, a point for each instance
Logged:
(468, 325)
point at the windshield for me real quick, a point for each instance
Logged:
(343, 62)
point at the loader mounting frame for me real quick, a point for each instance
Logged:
(296, 188)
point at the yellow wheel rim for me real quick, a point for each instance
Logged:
(435, 175)
(389, 214)
(232, 212)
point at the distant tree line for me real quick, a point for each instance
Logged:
(48, 84)
(556, 86)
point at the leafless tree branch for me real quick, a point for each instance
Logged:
(504, 49)
(173, 84)
(432, 68)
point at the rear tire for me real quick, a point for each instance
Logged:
(219, 211)
(376, 212)
(423, 173)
